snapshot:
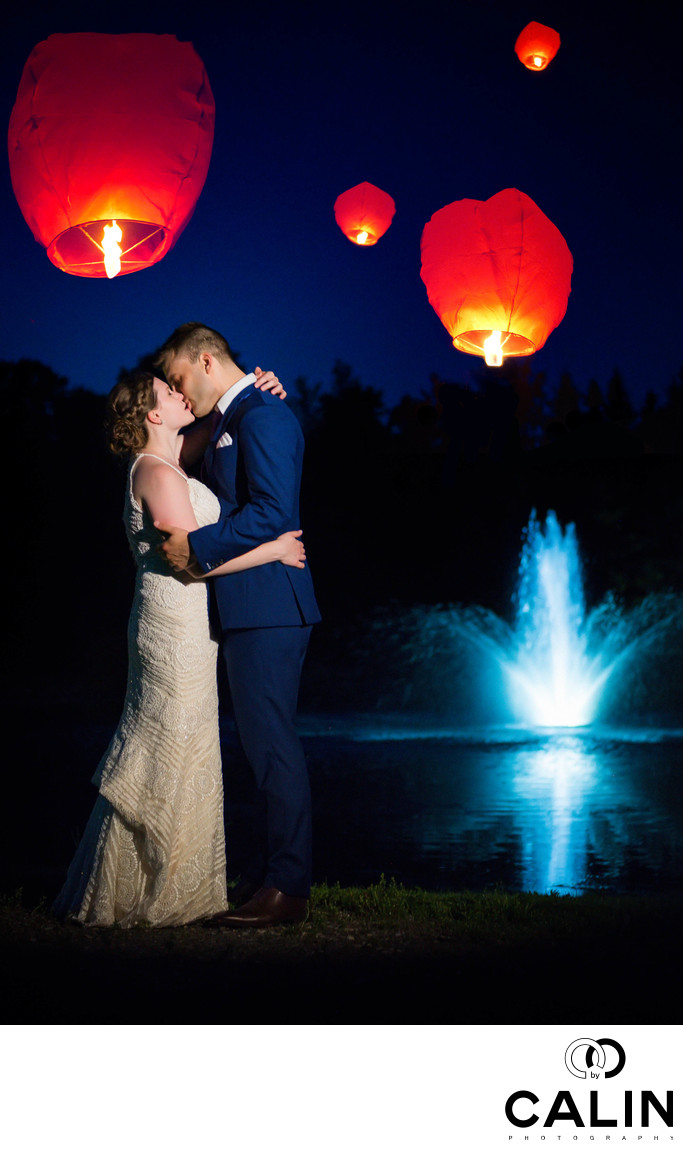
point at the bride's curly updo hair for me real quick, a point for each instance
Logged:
(127, 407)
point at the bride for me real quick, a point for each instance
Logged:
(153, 850)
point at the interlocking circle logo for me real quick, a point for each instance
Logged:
(595, 1048)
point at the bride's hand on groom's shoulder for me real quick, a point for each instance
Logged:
(268, 381)
(176, 547)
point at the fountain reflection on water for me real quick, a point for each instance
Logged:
(556, 784)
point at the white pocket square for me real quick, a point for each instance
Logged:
(224, 441)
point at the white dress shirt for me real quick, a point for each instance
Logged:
(228, 396)
(225, 401)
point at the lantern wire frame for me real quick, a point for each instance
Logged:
(511, 342)
(363, 230)
(69, 251)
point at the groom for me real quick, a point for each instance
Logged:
(253, 464)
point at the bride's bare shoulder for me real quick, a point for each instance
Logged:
(154, 474)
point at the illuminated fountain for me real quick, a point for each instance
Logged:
(557, 658)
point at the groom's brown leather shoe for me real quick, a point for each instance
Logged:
(243, 892)
(268, 907)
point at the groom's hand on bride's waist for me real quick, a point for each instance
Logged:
(176, 547)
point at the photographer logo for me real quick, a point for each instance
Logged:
(597, 1049)
(641, 1113)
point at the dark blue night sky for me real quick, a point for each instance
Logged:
(429, 102)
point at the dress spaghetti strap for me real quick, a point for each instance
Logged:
(150, 456)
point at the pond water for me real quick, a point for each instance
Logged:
(427, 802)
(536, 810)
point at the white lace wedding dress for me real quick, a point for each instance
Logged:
(153, 850)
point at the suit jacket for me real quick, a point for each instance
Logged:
(257, 479)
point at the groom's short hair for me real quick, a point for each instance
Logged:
(190, 340)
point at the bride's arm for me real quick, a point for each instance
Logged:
(166, 496)
(287, 549)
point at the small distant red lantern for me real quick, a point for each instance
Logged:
(364, 213)
(497, 273)
(537, 45)
(109, 146)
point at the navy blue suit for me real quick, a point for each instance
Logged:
(266, 615)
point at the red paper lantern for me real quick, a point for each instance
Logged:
(364, 213)
(109, 145)
(497, 273)
(536, 46)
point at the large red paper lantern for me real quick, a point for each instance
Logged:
(364, 213)
(497, 273)
(536, 46)
(109, 146)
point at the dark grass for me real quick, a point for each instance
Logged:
(378, 954)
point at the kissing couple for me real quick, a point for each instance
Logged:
(153, 850)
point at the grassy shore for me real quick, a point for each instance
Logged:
(377, 954)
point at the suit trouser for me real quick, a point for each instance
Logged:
(264, 670)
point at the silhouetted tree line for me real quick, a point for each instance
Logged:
(421, 503)
(433, 494)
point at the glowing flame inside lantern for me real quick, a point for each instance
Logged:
(111, 248)
(539, 61)
(493, 351)
(362, 238)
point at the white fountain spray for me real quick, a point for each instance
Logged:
(554, 680)
(556, 657)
